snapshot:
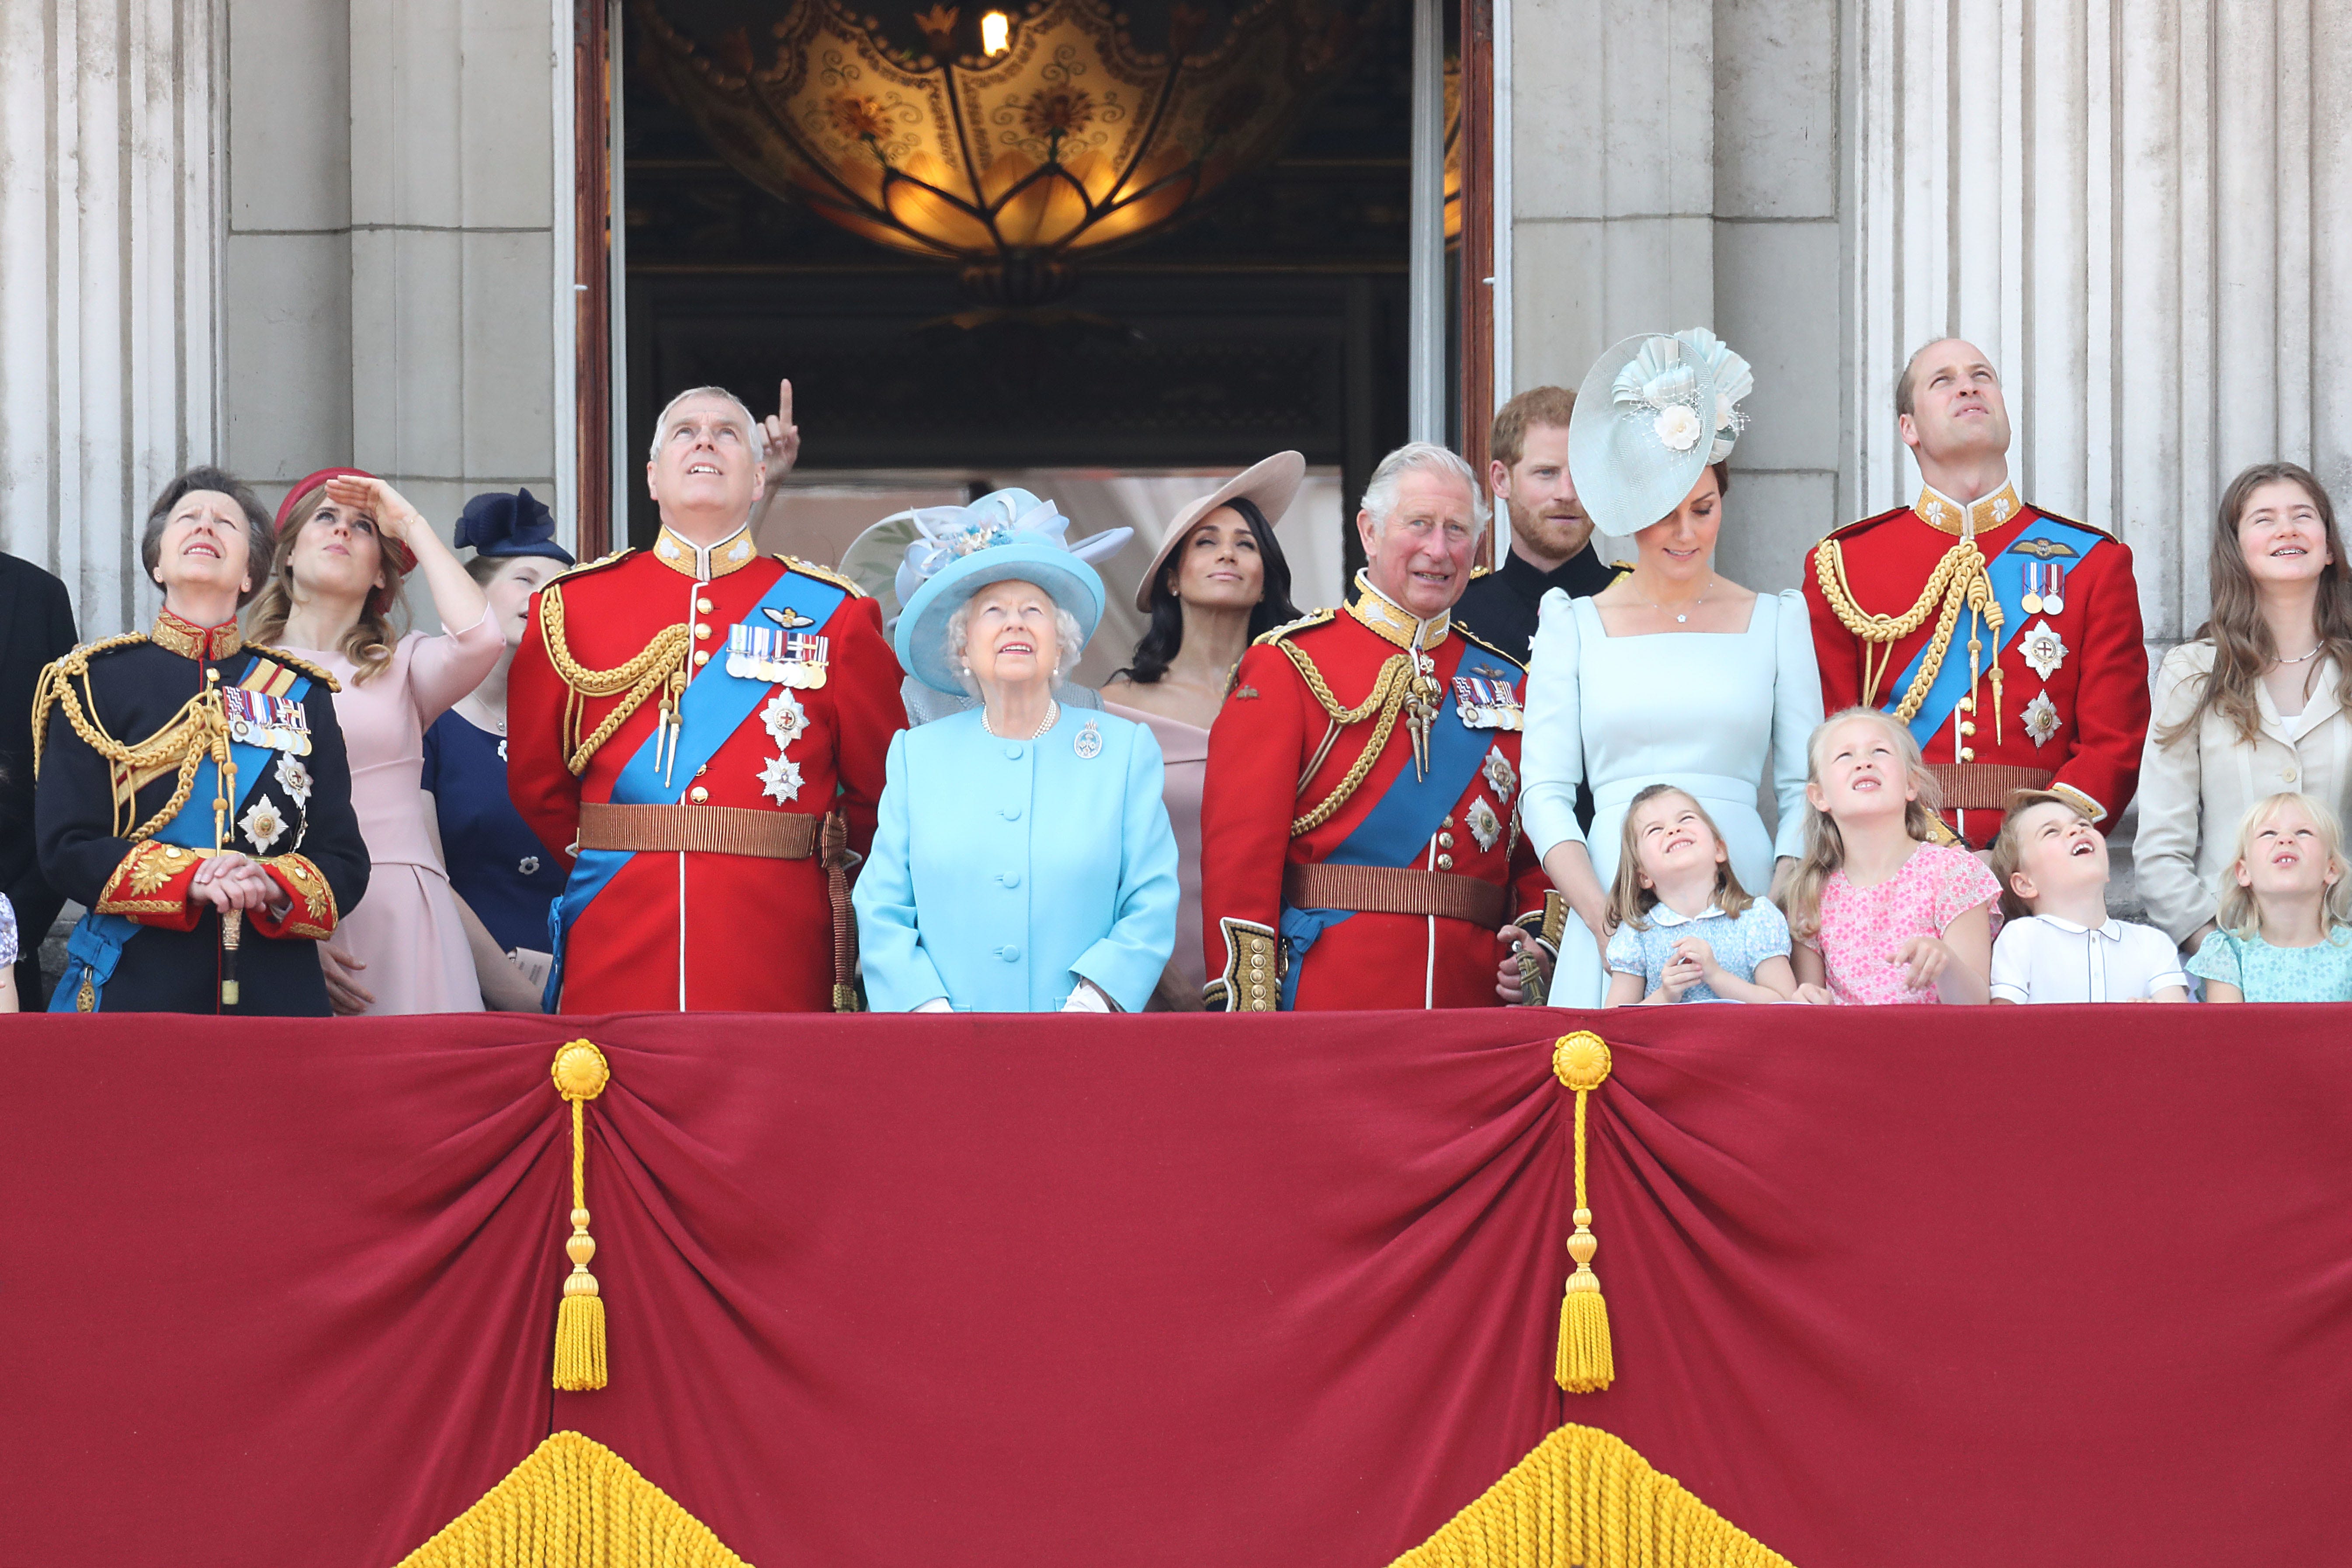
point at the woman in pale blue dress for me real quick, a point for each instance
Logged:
(1673, 674)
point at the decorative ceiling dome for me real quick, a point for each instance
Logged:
(1057, 137)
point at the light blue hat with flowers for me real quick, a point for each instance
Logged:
(1004, 536)
(1653, 412)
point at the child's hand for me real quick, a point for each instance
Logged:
(1681, 973)
(1815, 995)
(1924, 958)
(1695, 949)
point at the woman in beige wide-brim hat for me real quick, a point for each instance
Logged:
(1218, 580)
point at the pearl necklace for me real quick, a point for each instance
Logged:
(1684, 616)
(1053, 711)
(2300, 658)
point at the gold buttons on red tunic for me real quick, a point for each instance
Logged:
(701, 629)
(702, 655)
(1446, 862)
(702, 607)
(698, 794)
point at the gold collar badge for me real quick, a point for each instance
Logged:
(1981, 515)
(705, 563)
(191, 641)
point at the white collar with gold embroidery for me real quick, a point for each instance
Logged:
(1981, 515)
(1393, 623)
(704, 562)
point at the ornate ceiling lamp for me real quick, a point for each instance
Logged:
(1059, 138)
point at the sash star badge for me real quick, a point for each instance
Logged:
(296, 779)
(785, 718)
(781, 780)
(262, 824)
(2041, 717)
(1484, 826)
(2041, 649)
(1500, 775)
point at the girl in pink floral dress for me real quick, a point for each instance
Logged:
(1880, 913)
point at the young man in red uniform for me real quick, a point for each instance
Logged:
(1359, 825)
(2007, 637)
(704, 729)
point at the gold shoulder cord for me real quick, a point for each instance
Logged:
(200, 728)
(1389, 693)
(662, 660)
(1960, 581)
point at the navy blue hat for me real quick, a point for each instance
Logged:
(499, 524)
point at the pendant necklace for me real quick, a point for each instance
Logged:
(1684, 616)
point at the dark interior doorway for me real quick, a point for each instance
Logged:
(1273, 316)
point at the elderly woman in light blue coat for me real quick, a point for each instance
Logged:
(1023, 861)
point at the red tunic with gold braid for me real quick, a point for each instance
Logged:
(698, 930)
(1289, 782)
(2066, 705)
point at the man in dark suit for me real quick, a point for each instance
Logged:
(36, 625)
(1552, 539)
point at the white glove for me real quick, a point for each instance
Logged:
(1086, 998)
(936, 1005)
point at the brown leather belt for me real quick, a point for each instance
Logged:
(705, 829)
(1394, 890)
(1984, 786)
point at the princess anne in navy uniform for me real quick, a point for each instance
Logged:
(174, 854)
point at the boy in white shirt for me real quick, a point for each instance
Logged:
(2058, 944)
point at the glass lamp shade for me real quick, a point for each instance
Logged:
(1069, 141)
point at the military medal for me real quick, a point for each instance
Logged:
(1487, 702)
(803, 664)
(1088, 742)
(1500, 775)
(1484, 826)
(274, 724)
(2041, 721)
(2045, 583)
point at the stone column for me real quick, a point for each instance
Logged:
(2141, 208)
(108, 328)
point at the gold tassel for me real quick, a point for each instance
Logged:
(1586, 1362)
(581, 1074)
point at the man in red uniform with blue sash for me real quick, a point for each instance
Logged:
(704, 728)
(2006, 637)
(1359, 823)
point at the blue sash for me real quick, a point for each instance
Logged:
(714, 705)
(1400, 823)
(95, 945)
(2007, 571)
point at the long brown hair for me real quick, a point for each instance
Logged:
(1630, 902)
(2242, 642)
(370, 642)
(1824, 844)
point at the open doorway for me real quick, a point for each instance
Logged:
(1270, 312)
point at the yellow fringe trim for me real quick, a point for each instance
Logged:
(574, 1504)
(1586, 1499)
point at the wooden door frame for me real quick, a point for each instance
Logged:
(1476, 260)
(595, 79)
(592, 84)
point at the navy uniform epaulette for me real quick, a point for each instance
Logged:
(75, 660)
(295, 661)
(607, 559)
(1291, 628)
(1474, 640)
(1478, 571)
(822, 574)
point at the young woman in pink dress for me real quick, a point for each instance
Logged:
(345, 543)
(1218, 581)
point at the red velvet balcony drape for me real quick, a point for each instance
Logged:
(1926, 1286)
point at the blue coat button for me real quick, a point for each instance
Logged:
(1010, 878)
(1013, 753)
(1010, 955)
(1011, 814)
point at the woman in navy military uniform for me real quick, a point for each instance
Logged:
(192, 792)
(1023, 861)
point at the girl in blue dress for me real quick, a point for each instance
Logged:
(504, 878)
(2286, 925)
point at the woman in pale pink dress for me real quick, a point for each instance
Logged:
(1218, 581)
(345, 542)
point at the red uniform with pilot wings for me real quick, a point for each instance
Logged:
(1359, 823)
(2007, 637)
(684, 720)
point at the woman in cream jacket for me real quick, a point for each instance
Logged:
(2257, 703)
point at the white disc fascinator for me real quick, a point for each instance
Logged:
(1652, 412)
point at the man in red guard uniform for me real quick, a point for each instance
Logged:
(1359, 825)
(704, 728)
(2006, 637)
